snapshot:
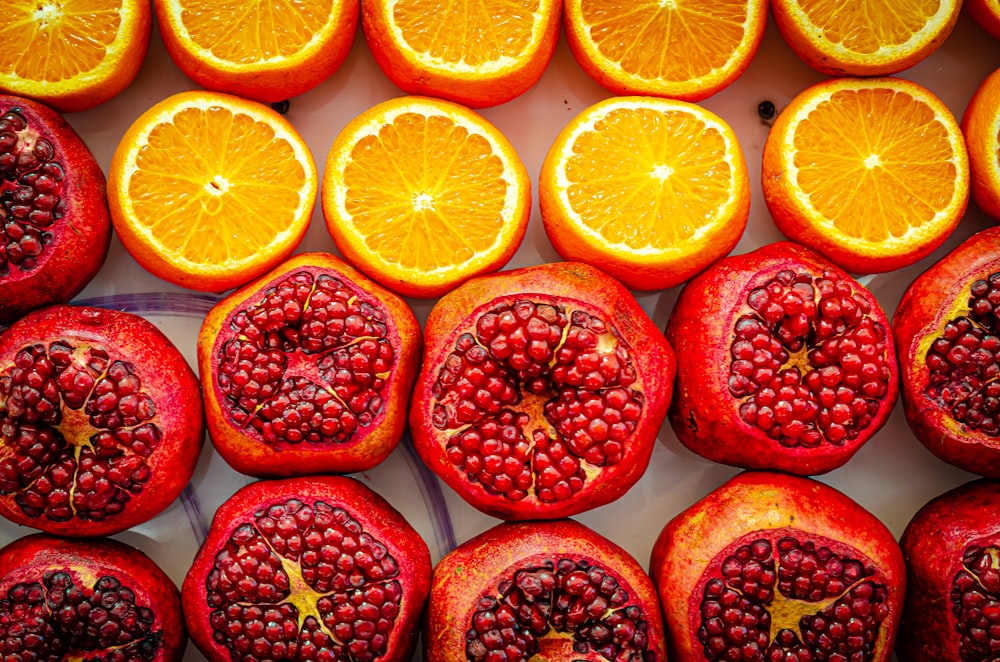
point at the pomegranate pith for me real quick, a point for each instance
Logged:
(309, 568)
(541, 392)
(308, 370)
(784, 362)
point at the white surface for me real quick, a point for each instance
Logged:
(892, 476)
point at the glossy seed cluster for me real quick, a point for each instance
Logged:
(975, 602)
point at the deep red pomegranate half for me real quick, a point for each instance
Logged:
(947, 332)
(541, 392)
(544, 590)
(100, 421)
(307, 569)
(55, 230)
(952, 552)
(774, 567)
(308, 370)
(96, 599)
(784, 362)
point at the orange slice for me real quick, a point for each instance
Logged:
(684, 49)
(871, 38)
(871, 172)
(266, 50)
(650, 190)
(479, 54)
(72, 54)
(422, 194)
(986, 13)
(209, 191)
(981, 127)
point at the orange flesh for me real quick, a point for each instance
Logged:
(866, 27)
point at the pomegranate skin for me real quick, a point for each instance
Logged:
(466, 590)
(541, 392)
(693, 557)
(950, 547)
(305, 542)
(148, 596)
(257, 444)
(942, 296)
(828, 379)
(55, 228)
(101, 423)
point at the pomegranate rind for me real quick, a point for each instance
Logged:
(376, 517)
(577, 286)
(761, 502)
(29, 558)
(475, 568)
(165, 376)
(939, 294)
(80, 239)
(933, 544)
(243, 448)
(704, 415)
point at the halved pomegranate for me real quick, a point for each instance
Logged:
(55, 230)
(541, 392)
(307, 568)
(784, 362)
(308, 370)
(947, 331)
(86, 600)
(100, 421)
(775, 567)
(544, 590)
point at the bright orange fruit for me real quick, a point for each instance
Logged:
(981, 127)
(871, 172)
(986, 13)
(209, 190)
(871, 38)
(72, 54)
(684, 49)
(481, 53)
(650, 190)
(268, 50)
(422, 194)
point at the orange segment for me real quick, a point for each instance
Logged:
(981, 127)
(872, 172)
(480, 53)
(260, 49)
(422, 194)
(871, 38)
(209, 191)
(986, 13)
(685, 49)
(649, 190)
(72, 54)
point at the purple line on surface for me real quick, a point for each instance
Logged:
(430, 488)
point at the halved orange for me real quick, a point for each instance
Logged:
(72, 54)
(986, 13)
(871, 172)
(479, 54)
(683, 49)
(268, 50)
(209, 190)
(421, 194)
(871, 38)
(981, 127)
(650, 190)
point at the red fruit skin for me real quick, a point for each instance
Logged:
(79, 240)
(759, 502)
(29, 558)
(580, 287)
(244, 449)
(933, 544)
(164, 374)
(938, 295)
(474, 569)
(376, 517)
(704, 415)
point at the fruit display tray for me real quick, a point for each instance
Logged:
(892, 476)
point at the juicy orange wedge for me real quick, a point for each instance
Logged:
(422, 194)
(209, 190)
